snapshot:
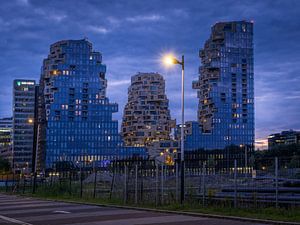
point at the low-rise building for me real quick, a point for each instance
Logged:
(283, 138)
(6, 138)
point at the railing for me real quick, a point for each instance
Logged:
(159, 185)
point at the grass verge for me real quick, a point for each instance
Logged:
(63, 192)
(281, 214)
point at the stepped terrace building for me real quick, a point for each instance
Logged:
(75, 116)
(146, 117)
(225, 90)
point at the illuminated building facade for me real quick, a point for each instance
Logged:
(23, 124)
(283, 138)
(6, 125)
(146, 117)
(75, 116)
(225, 90)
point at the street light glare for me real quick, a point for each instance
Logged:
(30, 120)
(169, 60)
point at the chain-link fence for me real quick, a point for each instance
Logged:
(148, 183)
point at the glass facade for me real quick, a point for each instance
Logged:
(287, 137)
(225, 89)
(6, 125)
(75, 116)
(23, 124)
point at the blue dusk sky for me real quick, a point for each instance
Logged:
(132, 35)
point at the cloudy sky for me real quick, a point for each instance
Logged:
(133, 34)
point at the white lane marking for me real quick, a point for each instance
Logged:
(60, 211)
(14, 220)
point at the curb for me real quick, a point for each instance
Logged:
(244, 219)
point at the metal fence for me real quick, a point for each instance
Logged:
(145, 184)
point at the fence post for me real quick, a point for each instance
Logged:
(203, 184)
(156, 184)
(136, 185)
(59, 179)
(142, 174)
(51, 180)
(176, 180)
(6, 183)
(13, 183)
(276, 180)
(80, 182)
(112, 183)
(162, 184)
(24, 184)
(95, 182)
(70, 182)
(235, 183)
(246, 161)
(125, 184)
(34, 183)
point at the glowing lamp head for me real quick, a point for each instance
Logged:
(30, 121)
(169, 60)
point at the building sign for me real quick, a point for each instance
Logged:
(19, 83)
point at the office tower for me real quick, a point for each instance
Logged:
(75, 116)
(6, 125)
(283, 138)
(225, 89)
(146, 117)
(23, 124)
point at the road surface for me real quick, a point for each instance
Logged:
(29, 211)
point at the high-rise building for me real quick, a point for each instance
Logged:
(146, 120)
(225, 89)
(283, 138)
(6, 125)
(75, 116)
(146, 117)
(23, 124)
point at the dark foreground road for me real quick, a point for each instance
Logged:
(29, 211)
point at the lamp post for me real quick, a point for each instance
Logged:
(34, 151)
(95, 176)
(80, 167)
(246, 157)
(169, 60)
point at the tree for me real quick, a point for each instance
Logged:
(295, 162)
(4, 165)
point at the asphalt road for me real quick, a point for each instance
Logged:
(30, 211)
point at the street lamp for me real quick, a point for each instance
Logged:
(80, 166)
(31, 121)
(170, 60)
(246, 157)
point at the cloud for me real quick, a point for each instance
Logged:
(181, 12)
(145, 18)
(113, 21)
(56, 16)
(115, 83)
(23, 2)
(134, 33)
(98, 29)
